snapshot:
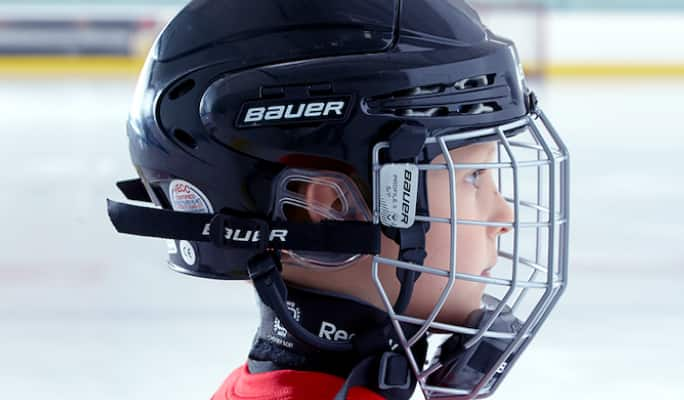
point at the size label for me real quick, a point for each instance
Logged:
(398, 194)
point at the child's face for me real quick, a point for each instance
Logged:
(477, 199)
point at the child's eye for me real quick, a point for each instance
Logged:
(474, 177)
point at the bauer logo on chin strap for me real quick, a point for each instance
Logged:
(398, 193)
(247, 235)
(280, 112)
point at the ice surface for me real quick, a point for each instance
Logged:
(88, 314)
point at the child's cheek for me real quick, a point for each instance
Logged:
(471, 249)
(467, 204)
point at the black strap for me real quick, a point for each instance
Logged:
(407, 142)
(389, 373)
(264, 271)
(233, 231)
(406, 145)
(359, 376)
(412, 250)
(154, 222)
(385, 371)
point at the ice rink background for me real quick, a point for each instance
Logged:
(86, 313)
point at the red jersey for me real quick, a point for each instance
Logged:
(286, 385)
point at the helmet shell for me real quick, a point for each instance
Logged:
(421, 61)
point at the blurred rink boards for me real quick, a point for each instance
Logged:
(554, 38)
(86, 313)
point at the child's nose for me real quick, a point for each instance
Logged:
(503, 212)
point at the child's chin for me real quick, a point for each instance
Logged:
(456, 316)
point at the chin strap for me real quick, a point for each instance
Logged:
(389, 373)
(383, 366)
(235, 230)
(412, 250)
(405, 146)
(264, 271)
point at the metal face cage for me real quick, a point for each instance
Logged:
(532, 174)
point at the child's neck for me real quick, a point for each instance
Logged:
(327, 315)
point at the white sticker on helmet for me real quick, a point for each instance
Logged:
(187, 252)
(398, 194)
(185, 197)
(171, 246)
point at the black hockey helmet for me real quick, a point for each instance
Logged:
(234, 92)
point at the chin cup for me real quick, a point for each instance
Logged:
(464, 368)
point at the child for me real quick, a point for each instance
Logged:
(360, 162)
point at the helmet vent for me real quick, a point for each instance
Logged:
(185, 138)
(182, 89)
(475, 82)
(423, 112)
(470, 96)
(418, 91)
(479, 108)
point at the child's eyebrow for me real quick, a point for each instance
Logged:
(491, 152)
(478, 154)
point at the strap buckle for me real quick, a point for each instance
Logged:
(262, 266)
(230, 231)
(394, 372)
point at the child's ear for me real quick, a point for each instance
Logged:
(322, 196)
